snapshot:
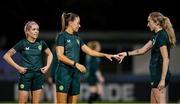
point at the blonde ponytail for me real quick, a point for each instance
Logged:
(169, 29)
(63, 22)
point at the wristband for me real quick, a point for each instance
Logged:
(127, 53)
(74, 65)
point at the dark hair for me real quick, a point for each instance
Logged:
(165, 23)
(65, 18)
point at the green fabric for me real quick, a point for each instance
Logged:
(67, 77)
(92, 64)
(159, 39)
(31, 80)
(53, 65)
(31, 53)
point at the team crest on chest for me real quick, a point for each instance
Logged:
(40, 47)
(77, 41)
(154, 41)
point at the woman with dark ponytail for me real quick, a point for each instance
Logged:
(68, 46)
(162, 41)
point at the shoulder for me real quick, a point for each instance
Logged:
(163, 34)
(22, 41)
(60, 34)
(40, 41)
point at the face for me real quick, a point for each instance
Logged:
(75, 25)
(33, 31)
(151, 24)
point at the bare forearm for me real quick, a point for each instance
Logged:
(135, 52)
(66, 60)
(49, 60)
(10, 61)
(96, 54)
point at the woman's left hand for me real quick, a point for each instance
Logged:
(161, 85)
(44, 69)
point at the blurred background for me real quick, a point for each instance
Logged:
(119, 25)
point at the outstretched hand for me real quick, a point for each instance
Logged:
(109, 56)
(121, 56)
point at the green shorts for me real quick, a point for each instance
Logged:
(92, 81)
(155, 82)
(68, 80)
(31, 80)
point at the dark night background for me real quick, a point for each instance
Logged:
(95, 14)
(116, 23)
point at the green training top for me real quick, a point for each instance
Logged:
(54, 63)
(159, 39)
(31, 53)
(92, 64)
(72, 45)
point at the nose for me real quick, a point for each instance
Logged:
(148, 25)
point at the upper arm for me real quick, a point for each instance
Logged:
(164, 51)
(59, 50)
(48, 51)
(147, 46)
(10, 52)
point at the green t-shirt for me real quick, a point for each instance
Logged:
(54, 63)
(31, 53)
(72, 44)
(92, 64)
(158, 40)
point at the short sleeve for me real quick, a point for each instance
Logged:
(59, 41)
(152, 37)
(44, 45)
(19, 46)
(162, 39)
(81, 42)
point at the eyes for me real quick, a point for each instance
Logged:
(35, 29)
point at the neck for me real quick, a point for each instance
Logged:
(31, 39)
(158, 29)
(69, 30)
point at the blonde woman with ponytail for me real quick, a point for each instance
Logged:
(160, 44)
(31, 68)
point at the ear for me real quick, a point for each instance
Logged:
(70, 23)
(157, 23)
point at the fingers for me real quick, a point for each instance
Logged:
(43, 70)
(120, 61)
(161, 87)
(83, 70)
(110, 58)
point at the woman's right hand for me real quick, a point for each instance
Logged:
(81, 68)
(121, 56)
(22, 70)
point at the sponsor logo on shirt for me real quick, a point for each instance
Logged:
(68, 41)
(26, 48)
